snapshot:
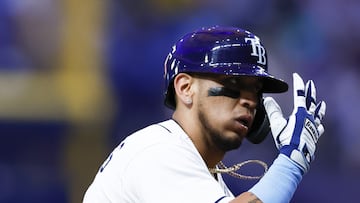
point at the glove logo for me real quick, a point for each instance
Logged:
(257, 50)
(310, 127)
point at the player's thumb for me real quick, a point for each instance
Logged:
(276, 118)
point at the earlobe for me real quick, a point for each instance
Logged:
(183, 90)
(188, 101)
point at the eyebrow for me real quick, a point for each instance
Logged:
(223, 91)
(230, 82)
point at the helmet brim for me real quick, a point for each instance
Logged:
(271, 84)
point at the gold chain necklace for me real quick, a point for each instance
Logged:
(221, 168)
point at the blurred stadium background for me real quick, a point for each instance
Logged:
(76, 77)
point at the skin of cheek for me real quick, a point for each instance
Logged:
(218, 110)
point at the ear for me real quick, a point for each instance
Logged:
(183, 90)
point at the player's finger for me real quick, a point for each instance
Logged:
(310, 96)
(319, 112)
(320, 129)
(276, 118)
(299, 93)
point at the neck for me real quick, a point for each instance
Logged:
(209, 152)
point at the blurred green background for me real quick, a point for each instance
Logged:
(76, 77)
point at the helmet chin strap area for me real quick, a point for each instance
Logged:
(221, 168)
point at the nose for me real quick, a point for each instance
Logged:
(249, 100)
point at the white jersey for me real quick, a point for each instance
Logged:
(157, 164)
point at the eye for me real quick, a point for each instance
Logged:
(257, 87)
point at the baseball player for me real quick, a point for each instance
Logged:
(215, 78)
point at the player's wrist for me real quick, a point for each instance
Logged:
(296, 157)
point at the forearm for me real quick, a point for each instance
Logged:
(277, 186)
(280, 182)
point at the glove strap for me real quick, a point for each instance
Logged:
(302, 159)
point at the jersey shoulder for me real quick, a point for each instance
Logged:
(147, 142)
(167, 131)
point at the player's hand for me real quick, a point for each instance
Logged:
(296, 137)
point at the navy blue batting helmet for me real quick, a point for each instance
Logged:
(219, 50)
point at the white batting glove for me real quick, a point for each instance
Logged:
(296, 137)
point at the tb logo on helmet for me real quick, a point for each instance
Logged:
(257, 49)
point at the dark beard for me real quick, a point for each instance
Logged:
(219, 141)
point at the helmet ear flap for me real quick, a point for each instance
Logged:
(261, 125)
